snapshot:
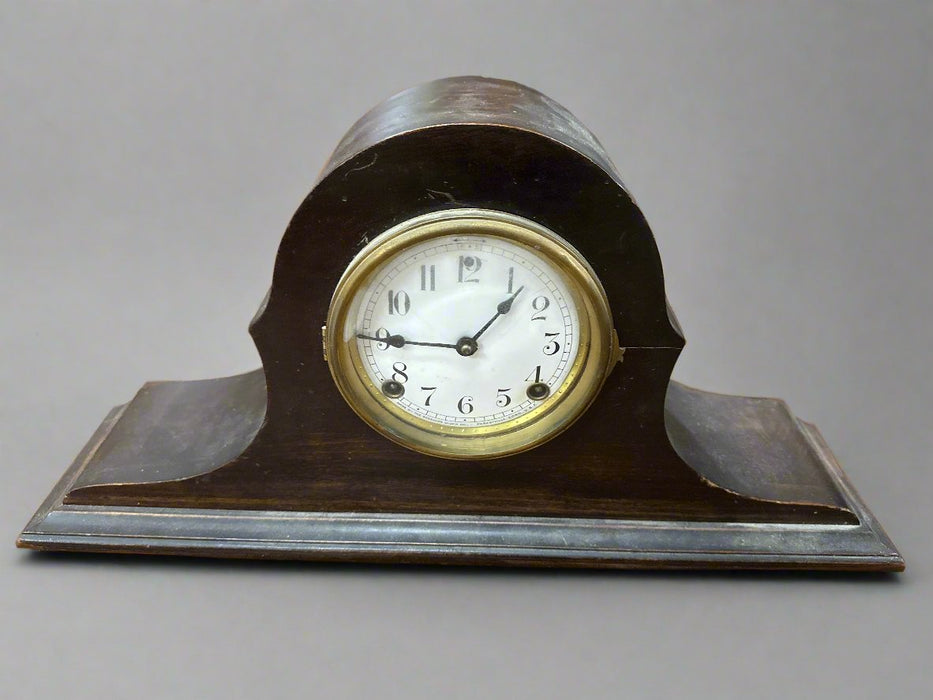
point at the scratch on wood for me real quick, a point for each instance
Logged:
(362, 167)
(434, 194)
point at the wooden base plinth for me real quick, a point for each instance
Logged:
(499, 540)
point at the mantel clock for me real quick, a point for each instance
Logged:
(466, 359)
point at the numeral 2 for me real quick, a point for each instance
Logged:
(540, 304)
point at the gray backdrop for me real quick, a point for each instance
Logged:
(151, 155)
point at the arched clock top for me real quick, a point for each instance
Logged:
(516, 151)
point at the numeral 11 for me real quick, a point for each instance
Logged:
(427, 278)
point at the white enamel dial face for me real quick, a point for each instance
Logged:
(466, 330)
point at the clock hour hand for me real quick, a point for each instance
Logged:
(503, 308)
(398, 341)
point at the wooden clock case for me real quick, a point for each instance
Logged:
(274, 464)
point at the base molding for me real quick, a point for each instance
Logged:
(468, 540)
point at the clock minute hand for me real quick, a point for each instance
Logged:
(398, 341)
(503, 308)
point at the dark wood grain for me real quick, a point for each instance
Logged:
(313, 453)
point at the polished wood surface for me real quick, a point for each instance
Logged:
(312, 453)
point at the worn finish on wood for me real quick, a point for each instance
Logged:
(282, 439)
(604, 469)
(313, 453)
(497, 540)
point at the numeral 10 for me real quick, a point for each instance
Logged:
(399, 303)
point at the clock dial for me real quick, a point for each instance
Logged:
(467, 330)
(469, 334)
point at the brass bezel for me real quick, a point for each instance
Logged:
(598, 345)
